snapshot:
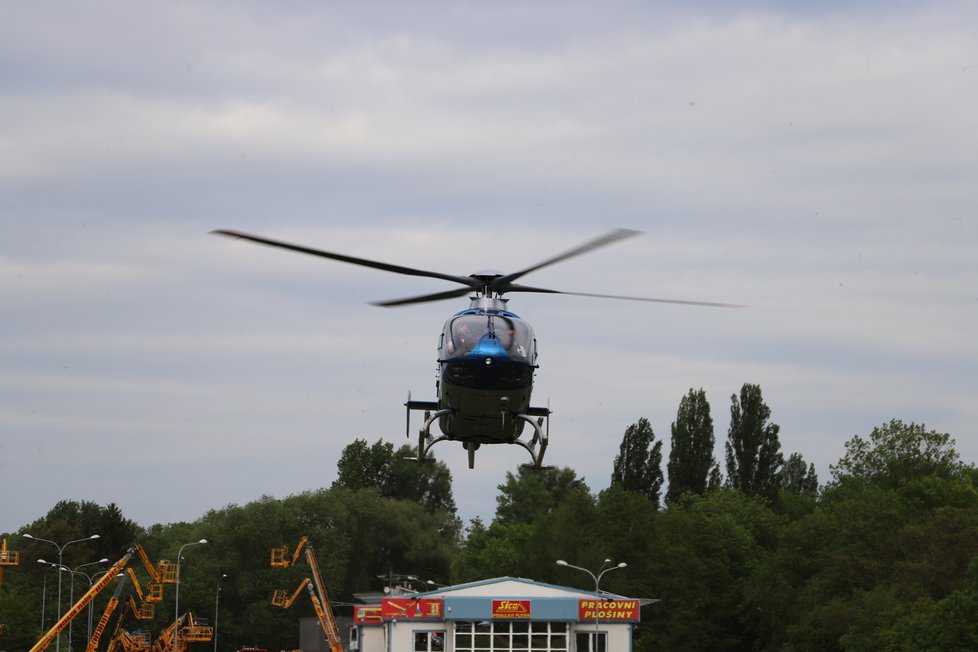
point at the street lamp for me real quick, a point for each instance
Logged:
(44, 591)
(597, 594)
(61, 550)
(217, 604)
(176, 600)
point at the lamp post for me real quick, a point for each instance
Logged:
(217, 604)
(61, 550)
(71, 593)
(44, 590)
(597, 594)
(176, 600)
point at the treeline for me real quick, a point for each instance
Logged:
(884, 556)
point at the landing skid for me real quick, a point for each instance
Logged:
(536, 446)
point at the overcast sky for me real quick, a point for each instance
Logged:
(819, 163)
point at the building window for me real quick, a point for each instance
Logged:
(510, 636)
(429, 641)
(592, 642)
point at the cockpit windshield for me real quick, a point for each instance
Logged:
(512, 335)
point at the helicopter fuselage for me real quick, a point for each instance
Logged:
(486, 362)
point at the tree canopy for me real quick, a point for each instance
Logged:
(885, 557)
(638, 466)
(753, 448)
(691, 460)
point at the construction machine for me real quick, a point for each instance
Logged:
(110, 607)
(281, 598)
(191, 630)
(163, 572)
(82, 602)
(8, 559)
(315, 587)
(133, 642)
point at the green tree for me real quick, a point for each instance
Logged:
(691, 456)
(799, 478)
(378, 466)
(896, 453)
(638, 466)
(362, 466)
(533, 493)
(428, 483)
(753, 449)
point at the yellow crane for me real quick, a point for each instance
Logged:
(320, 601)
(281, 598)
(280, 556)
(83, 601)
(104, 619)
(154, 590)
(191, 631)
(163, 572)
(133, 642)
(8, 559)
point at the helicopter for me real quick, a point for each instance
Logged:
(487, 354)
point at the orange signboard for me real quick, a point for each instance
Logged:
(411, 608)
(510, 608)
(609, 610)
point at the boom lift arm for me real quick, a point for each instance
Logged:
(280, 555)
(104, 620)
(83, 601)
(326, 618)
(282, 599)
(320, 601)
(163, 573)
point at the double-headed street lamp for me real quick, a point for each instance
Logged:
(61, 550)
(176, 600)
(71, 592)
(605, 567)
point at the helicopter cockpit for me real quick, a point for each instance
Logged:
(489, 334)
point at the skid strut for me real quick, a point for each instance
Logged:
(536, 446)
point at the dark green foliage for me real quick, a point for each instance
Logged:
(896, 453)
(691, 456)
(533, 493)
(638, 466)
(884, 558)
(798, 478)
(380, 467)
(753, 449)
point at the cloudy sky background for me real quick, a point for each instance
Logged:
(817, 163)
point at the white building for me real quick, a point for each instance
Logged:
(505, 614)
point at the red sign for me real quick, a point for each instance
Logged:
(411, 608)
(609, 610)
(510, 608)
(369, 614)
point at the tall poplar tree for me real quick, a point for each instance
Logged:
(754, 458)
(638, 466)
(691, 456)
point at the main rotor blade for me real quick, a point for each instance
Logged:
(450, 294)
(709, 304)
(387, 267)
(503, 282)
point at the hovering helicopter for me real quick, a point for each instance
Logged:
(487, 355)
